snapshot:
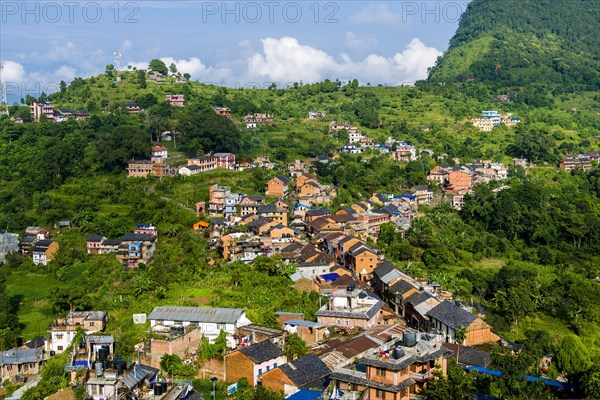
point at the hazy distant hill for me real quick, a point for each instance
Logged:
(521, 42)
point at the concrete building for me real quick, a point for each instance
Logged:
(63, 330)
(350, 308)
(210, 321)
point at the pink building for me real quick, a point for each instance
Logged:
(39, 108)
(225, 160)
(175, 100)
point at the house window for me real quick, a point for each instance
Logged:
(346, 322)
(91, 323)
(59, 348)
(380, 371)
(59, 336)
(274, 365)
(268, 368)
(380, 394)
(260, 371)
(338, 322)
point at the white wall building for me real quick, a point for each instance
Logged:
(211, 321)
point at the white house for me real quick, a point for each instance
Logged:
(211, 321)
(158, 150)
(190, 170)
(63, 330)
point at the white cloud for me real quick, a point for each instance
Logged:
(415, 59)
(355, 41)
(282, 60)
(375, 14)
(65, 73)
(197, 69)
(286, 60)
(138, 64)
(13, 72)
(193, 66)
(66, 51)
(20, 81)
(126, 45)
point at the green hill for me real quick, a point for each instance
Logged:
(515, 43)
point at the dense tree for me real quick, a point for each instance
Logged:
(294, 346)
(590, 382)
(535, 144)
(457, 385)
(572, 356)
(213, 132)
(158, 66)
(9, 322)
(116, 148)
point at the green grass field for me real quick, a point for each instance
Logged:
(35, 311)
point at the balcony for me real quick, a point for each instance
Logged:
(422, 377)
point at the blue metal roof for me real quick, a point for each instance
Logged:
(301, 322)
(330, 277)
(528, 378)
(305, 395)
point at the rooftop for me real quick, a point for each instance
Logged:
(397, 355)
(261, 352)
(196, 314)
(20, 356)
(452, 315)
(305, 370)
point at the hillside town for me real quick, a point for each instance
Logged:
(335, 206)
(381, 333)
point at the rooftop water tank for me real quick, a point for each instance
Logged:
(409, 339)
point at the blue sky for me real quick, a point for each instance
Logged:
(232, 43)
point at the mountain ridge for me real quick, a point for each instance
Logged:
(509, 43)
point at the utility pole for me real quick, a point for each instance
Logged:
(118, 74)
(3, 99)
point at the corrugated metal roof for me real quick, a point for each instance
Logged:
(100, 339)
(138, 374)
(12, 356)
(196, 314)
(300, 322)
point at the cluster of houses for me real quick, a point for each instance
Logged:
(175, 100)
(582, 162)
(131, 250)
(355, 136)
(39, 109)
(93, 362)
(458, 181)
(491, 118)
(398, 151)
(36, 242)
(380, 334)
(360, 345)
(383, 337)
(244, 227)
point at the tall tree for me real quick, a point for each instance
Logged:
(158, 66)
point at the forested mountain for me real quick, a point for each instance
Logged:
(513, 43)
